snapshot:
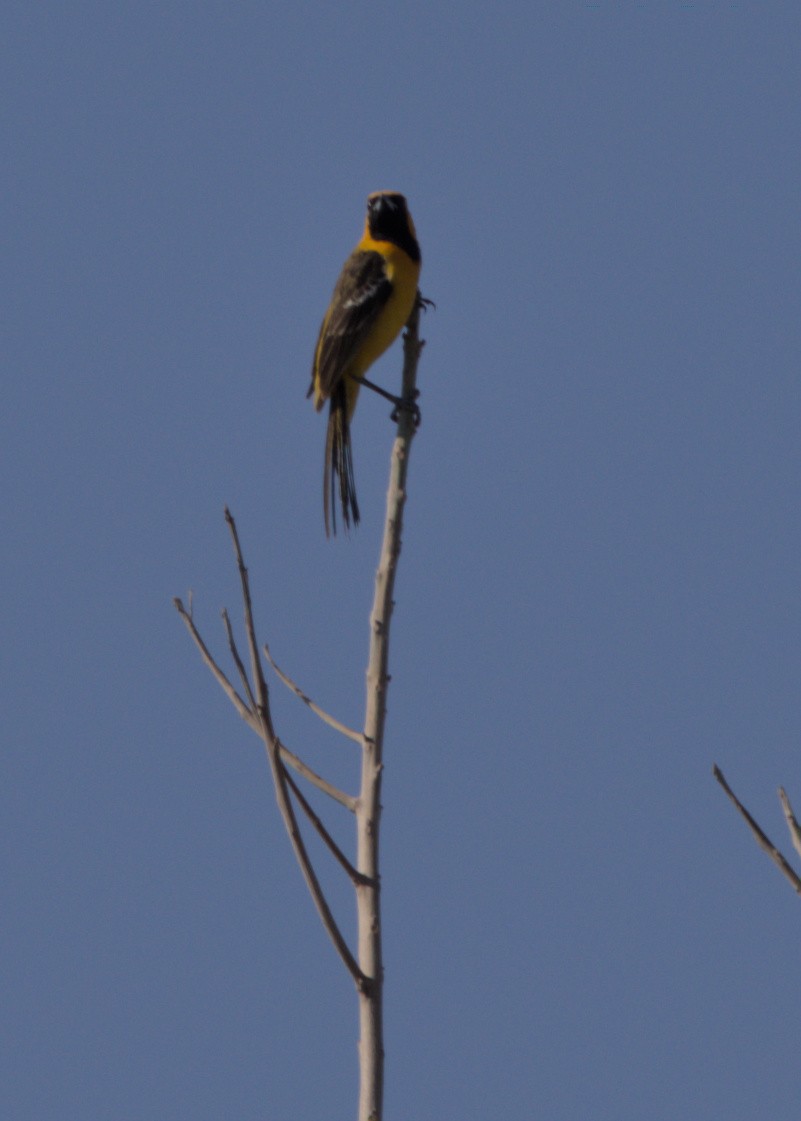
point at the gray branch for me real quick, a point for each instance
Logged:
(279, 773)
(761, 838)
(331, 721)
(368, 971)
(368, 814)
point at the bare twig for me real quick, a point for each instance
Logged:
(328, 840)
(331, 721)
(297, 764)
(321, 903)
(792, 824)
(762, 839)
(280, 776)
(238, 661)
(250, 718)
(249, 715)
(262, 692)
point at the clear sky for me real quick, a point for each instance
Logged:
(599, 587)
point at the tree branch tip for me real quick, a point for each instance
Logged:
(183, 611)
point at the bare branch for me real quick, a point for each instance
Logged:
(237, 660)
(329, 841)
(368, 815)
(762, 840)
(290, 821)
(331, 721)
(262, 693)
(280, 776)
(792, 824)
(367, 971)
(250, 717)
(294, 761)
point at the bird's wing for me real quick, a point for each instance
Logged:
(361, 293)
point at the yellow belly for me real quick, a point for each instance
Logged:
(404, 275)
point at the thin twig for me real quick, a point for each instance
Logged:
(262, 693)
(762, 839)
(280, 777)
(294, 761)
(250, 718)
(237, 660)
(792, 824)
(331, 721)
(329, 841)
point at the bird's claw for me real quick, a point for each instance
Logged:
(407, 405)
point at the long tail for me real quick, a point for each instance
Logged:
(339, 464)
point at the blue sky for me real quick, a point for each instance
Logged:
(599, 587)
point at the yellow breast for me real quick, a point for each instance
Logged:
(404, 274)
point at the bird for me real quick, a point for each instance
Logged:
(372, 300)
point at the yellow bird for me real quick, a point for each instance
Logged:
(372, 301)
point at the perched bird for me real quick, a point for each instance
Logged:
(372, 300)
